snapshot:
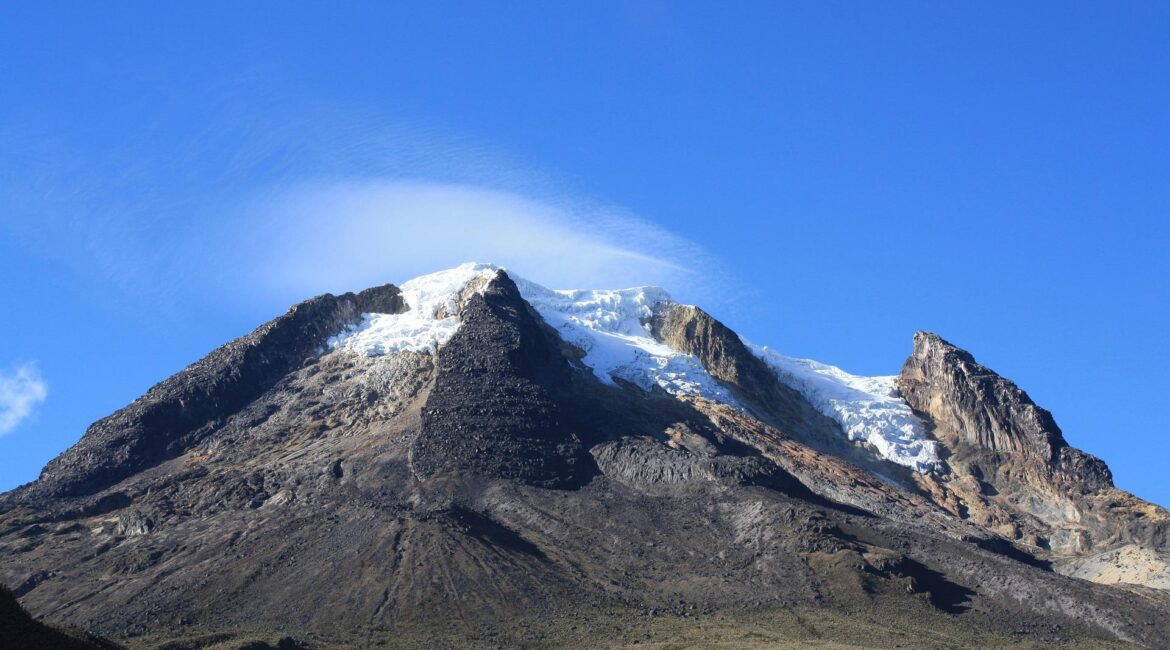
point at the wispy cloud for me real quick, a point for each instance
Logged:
(274, 208)
(21, 390)
(349, 235)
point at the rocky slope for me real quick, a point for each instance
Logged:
(473, 459)
(181, 411)
(1011, 470)
(18, 631)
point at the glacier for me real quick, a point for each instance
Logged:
(611, 328)
(431, 319)
(867, 408)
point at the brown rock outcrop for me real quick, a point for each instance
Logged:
(985, 417)
(1009, 467)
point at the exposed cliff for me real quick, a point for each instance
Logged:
(1010, 467)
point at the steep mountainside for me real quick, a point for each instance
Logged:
(1011, 470)
(18, 631)
(474, 459)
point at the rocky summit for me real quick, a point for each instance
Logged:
(473, 460)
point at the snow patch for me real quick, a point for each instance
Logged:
(868, 408)
(431, 319)
(612, 327)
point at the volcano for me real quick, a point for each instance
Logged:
(474, 460)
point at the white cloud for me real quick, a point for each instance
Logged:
(267, 209)
(21, 391)
(351, 235)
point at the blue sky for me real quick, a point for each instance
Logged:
(826, 177)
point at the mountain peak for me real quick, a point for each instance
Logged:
(1009, 466)
(976, 406)
(475, 442)
(430, 318)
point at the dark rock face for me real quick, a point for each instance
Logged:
(177, 413)
(18, 631)
(643, 463)
(493, 409)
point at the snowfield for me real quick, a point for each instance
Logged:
(611, 327)
(867, 408)
(430, 320)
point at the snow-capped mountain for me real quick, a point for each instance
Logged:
(475, 458)
(613, 330)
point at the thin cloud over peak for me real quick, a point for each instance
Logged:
(329, 200)
(348, 235)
